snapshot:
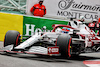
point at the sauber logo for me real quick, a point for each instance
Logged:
(53, 50)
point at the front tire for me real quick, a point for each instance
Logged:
(12, 37)
(65, 42)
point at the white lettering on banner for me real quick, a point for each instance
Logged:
(28, 29)
(38, 29)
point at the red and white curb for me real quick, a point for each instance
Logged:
(92, 63)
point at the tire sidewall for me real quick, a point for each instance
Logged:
(12, 37)
(64, 42)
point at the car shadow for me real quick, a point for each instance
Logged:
(50, 58)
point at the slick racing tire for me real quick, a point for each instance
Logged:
(65, 42)
(12, 37)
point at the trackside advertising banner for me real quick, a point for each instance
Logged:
(90, 9)
(32, 24)
(24, 24)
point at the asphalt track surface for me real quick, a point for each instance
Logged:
(25, 60)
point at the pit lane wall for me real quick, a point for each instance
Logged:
(26, 25)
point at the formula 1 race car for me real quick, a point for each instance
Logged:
(64, 40)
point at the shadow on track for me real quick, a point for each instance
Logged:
(49, 58)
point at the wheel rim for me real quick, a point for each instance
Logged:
(17, 39)
(69, 47)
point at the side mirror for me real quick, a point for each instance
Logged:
(44, 28)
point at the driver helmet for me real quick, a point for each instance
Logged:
(81, 18)
(65, 30)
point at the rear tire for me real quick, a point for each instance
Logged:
(64, 42)
(12, 37)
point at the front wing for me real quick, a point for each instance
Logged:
(33, 50)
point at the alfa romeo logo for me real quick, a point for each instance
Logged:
(65, 4)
